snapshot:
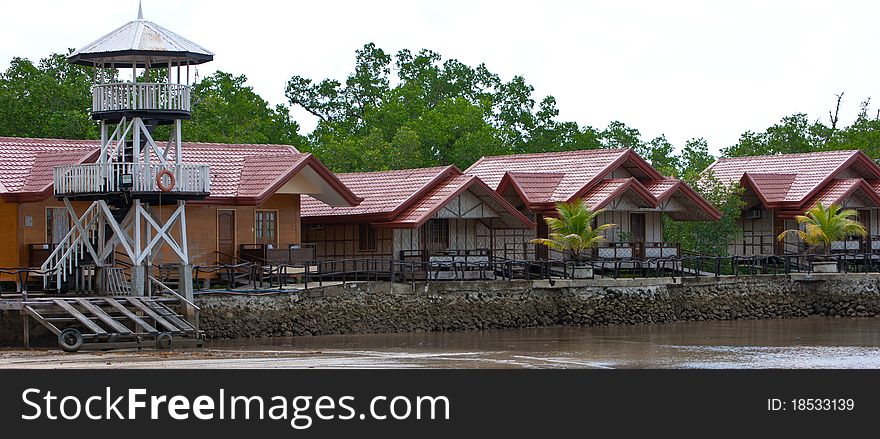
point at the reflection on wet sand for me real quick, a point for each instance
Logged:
(793, 343)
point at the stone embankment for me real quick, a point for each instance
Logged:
(371, 307)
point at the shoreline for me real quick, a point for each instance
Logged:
(771, 343)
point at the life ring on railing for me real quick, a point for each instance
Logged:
(161, 184)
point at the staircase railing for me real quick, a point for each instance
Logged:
(72, 248)
(193, 308)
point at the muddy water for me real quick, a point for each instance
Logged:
(795, 343)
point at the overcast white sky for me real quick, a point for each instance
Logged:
(683, 68)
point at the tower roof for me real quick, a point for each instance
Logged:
(137, 42)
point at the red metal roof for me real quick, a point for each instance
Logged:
(537, 187)
(661, 189)
(544, 179)
(384, 193)
(791, 181)
(425, 207)
(609, 189)
(26, 164)
(240, 173)
(576, 171)
(406, 198)
(838, 189)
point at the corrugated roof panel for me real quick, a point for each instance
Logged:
(538, 187)
(578, 168)
(382, 192)
(802, 173)
(834, 191)
(141, 36)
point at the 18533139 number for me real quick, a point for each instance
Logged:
(823, 404)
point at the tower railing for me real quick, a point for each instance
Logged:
(95, 178)
(126, 96)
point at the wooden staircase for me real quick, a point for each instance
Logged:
(76, 248)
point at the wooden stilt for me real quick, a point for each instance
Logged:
(26, 334)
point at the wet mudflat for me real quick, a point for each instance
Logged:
(784, 343)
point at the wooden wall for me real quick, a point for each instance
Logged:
(25, 223)
(9, 237)
(653, 224)
(342, 241)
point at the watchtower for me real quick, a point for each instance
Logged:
(142, 77)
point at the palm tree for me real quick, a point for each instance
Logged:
(573, 231)
(823, 225)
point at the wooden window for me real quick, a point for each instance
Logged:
(266, 227)
(437, 234)
(366, 238)
(57, 224)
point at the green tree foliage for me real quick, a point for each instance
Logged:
(433, 112)
(49, 99)
(226, 110)
(573, 232)
(661, 154)
(796, 134)
(53, 99)
(694, 159)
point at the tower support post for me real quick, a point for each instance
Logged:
(186, 289)
(138, 280)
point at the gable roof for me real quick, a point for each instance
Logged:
(385, 193)
(544, 179)
(574, 172)
(838, 189)
(789, 181)
(240, 173)
(408, 198)
(609, 189)
(537, 187)
(670, 187)
(431, 202)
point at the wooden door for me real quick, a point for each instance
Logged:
(637, 233)
(865, 219)
(226, 236)
(779, 247)
(541, 251)
(266, 227)
(57, 224)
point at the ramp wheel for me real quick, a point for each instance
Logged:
(70, 340)
(164, 341)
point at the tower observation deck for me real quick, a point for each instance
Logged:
(142, 77)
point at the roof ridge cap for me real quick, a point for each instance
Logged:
(394, 170)
(572, 151)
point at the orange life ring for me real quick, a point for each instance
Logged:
(161, 185)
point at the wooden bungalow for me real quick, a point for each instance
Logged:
(254, 199)
(429, 214)
(633, 194)
(779, 187)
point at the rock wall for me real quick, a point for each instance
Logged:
(449, 306)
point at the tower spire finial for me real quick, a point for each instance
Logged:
(140, 10)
